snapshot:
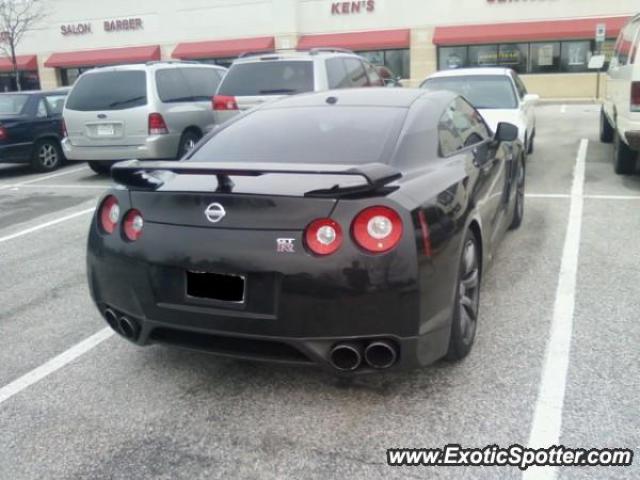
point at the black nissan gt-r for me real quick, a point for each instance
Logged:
(347, 229)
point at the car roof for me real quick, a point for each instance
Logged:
(153, 65)
(294, 55)
(363, 97)
(462, 72)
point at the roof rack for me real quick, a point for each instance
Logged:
(315, 51)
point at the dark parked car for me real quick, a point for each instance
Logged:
(348, 229)
(31, 128)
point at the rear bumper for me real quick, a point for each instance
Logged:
(155, 147)
(294, 315)
(412, 352)
(628, 126)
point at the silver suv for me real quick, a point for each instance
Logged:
(254, 79)
(157, 110)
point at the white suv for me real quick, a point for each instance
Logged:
(620, 115)
(255, 78)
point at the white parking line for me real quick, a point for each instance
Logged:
(589, 197)
(56, 363)
(563, 109)
(46, 225)
(547, 418)
(45, 177)
(613, 197)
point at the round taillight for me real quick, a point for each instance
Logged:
(132, 225)
(377, 229)
(323, 236)
(109, 214)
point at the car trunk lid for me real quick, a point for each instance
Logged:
(230, 211)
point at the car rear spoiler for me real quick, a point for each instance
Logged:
(136, 174)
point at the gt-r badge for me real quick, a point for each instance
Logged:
(215, 212)
(285, 245)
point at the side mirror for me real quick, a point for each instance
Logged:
(506, 132)
(531, 98)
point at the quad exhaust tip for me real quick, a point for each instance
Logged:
(128, 328)
(112, 318)
(380, 354)
(346, 357)
(125, 326)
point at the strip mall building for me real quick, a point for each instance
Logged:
(548, 41)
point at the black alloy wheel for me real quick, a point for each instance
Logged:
(465, 317)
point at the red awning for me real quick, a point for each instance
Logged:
(223, 48)
(108, 56)
(358, 40)
(25, 62)
(579, 29)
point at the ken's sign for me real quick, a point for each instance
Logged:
(348, 8)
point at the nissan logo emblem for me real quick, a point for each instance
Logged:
(215, 212)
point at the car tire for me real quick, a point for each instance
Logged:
(187, 142)
(518, 208)
(47, 155)
(624, 158)
(606, 130)
(101, 167)
(531, 140)
(467, 300)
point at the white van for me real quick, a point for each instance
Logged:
(620, 115)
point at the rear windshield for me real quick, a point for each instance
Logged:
(109, 91)
(268, 78)
(337, 135)
(483, 91)
(187, 84)
(12, 104)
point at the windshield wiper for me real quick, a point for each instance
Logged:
(276, 91)
(128, 100)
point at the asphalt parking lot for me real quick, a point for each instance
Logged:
(559, 328)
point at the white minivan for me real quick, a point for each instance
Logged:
(152, 111)
(620, 115)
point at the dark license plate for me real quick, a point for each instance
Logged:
(216, 286)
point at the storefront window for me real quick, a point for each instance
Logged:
(538, 57)
(452, 57)
(514, 55)
(398, 61)
(575, 56)
(545, 57)
(483, 55)
(28, 81)
(68, 76)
